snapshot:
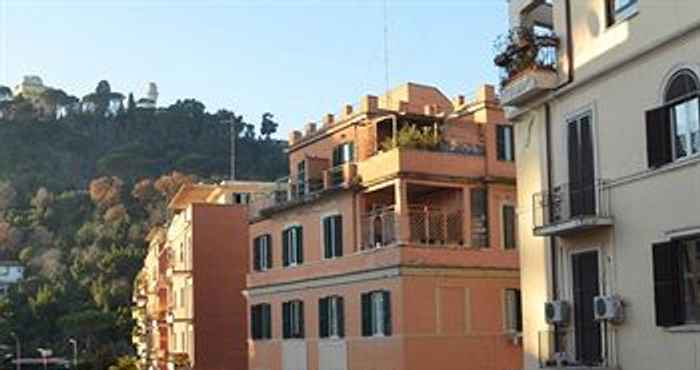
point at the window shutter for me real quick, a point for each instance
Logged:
(323, 317)
(659, 138)
(500, 143)
(286, 320)
(509, 227)
(512, 143)
(341, 316)
(254, 322)
(387, 312)
(300, 244)
(667, 289)
(300, 334)
(366, 315)
(479, 211)
(518, 311)
(266, 321)
(351, 152)
(256, 254)
(285, 248)
(269, 250)
(338, 235)
(327, 252)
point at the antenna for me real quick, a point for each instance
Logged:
(386, 46)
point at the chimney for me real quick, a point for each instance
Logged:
(309, 128)
(486, 93)
(294, 137)
(347, 111)
(369, 104)
(458, 101)
(328, 119)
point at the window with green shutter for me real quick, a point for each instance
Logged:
(331, 316)
(293, 319)
(376, 313)
(332, 236)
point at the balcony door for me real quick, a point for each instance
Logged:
(582, 192)
(586, 286)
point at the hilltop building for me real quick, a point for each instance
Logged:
(11, 272)
(604, 98)
(150, 99)
(391, 245)
(189, 309)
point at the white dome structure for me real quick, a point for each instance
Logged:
(152, 91)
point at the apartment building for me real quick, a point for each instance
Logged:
(603, 95)
(189, 307)
(391, 245)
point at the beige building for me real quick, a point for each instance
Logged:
(603, 95)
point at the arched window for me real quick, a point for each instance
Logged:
(682, 84)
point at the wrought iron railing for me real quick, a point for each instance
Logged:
(523, 49)
(426, 226)
(571, 201)
(564, 348)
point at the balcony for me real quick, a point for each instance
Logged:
(558, 350)
(528, 61)
(290, 192)
(567, 209)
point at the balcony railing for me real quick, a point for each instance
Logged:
(569, 208)
(426, 226)
(564, 349)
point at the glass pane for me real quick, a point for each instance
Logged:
(621, 5)
(686, 128)
(691, 280)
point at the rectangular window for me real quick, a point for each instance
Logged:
(331, 317)
(505, 144)
(260, 321)
(293, 319)
(262, 252)
(301, 178)
(514, 316)
(673, 132)
(333, 236)
(342, 154)
(685, 117)
(508, 221)
(376, 313)
(618, 10)
(293, 246)
(480, 220)
(677, 282)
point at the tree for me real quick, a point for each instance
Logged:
(249, 132)
(8, 195)
(131, 103)
(268, 126)
(125, 363)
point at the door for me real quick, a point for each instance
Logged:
(587, 334)
(582, 199)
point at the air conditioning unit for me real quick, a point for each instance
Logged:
(556, 312)
(608, 308)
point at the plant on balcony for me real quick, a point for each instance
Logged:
(522, 49)
(413, 137)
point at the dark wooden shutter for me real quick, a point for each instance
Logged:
(509, 227)
(512, 142)
(256, 254)
(327, 238)
(266, 321)
(575, 179)
(254, 322)
(387, 312)
(366, 315)
(286, 320)
(300, 333)
(518, 311)
(659, 138)
(341, 316)
(351, 152)
(285, 247)
(300, 245)
(323, 317)
(500, 142)
(338, 235)
(479, 211)
(268, 237)
(668, 300)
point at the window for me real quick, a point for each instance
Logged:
(301, 178)
(293, 319)
(508, 222)
(673, 130)
(376, 314)
(262, 252)
(343, 153)
(514, 316)
(260, 321)
(480, 220)
(331, 317)
(333, 236)
(618, 10)
(292, 246)
(241, 198)
(677, 282)
(505, 150)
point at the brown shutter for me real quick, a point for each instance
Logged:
(659, 138)
(667, 285)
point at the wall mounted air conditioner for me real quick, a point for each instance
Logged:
(608, 308)
(556, 312)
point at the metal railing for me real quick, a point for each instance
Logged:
(426, 226)
(339, 176)
(523, 49)
(571, 201)
(558, 349)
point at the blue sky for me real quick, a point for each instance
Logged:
(296, 59)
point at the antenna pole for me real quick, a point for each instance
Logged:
(386, 46)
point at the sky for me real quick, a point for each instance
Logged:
(297, 59)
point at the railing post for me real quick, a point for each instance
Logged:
(402, 212)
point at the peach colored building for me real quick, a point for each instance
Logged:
(391, 246)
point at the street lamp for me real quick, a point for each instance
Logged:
(75, 352)
(18, 363)
(45, 354)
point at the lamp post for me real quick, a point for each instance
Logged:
(45, 354)
(18, 347)
(74, 342)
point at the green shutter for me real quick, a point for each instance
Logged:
(269, 250)
(341, 317)
(387, 312)
(266, 321)
(327, 238)
(366, 315)
(285, 248)
(323, 317)
(254, 322)
(286, 320)
(256, 254)
(300, 245)
(300, 334)
(338, 235)
(667, 285)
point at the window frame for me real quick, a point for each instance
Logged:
(335, 317)
(262, 248)
(671, 106)
(263, 313)
(378, 323)
(334, 252)
(669, 284)
(508, 141)
(512, 325)
(295, 245)
(504, 240)
(296, 317)
(615, 16)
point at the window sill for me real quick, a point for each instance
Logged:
(690, 328)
